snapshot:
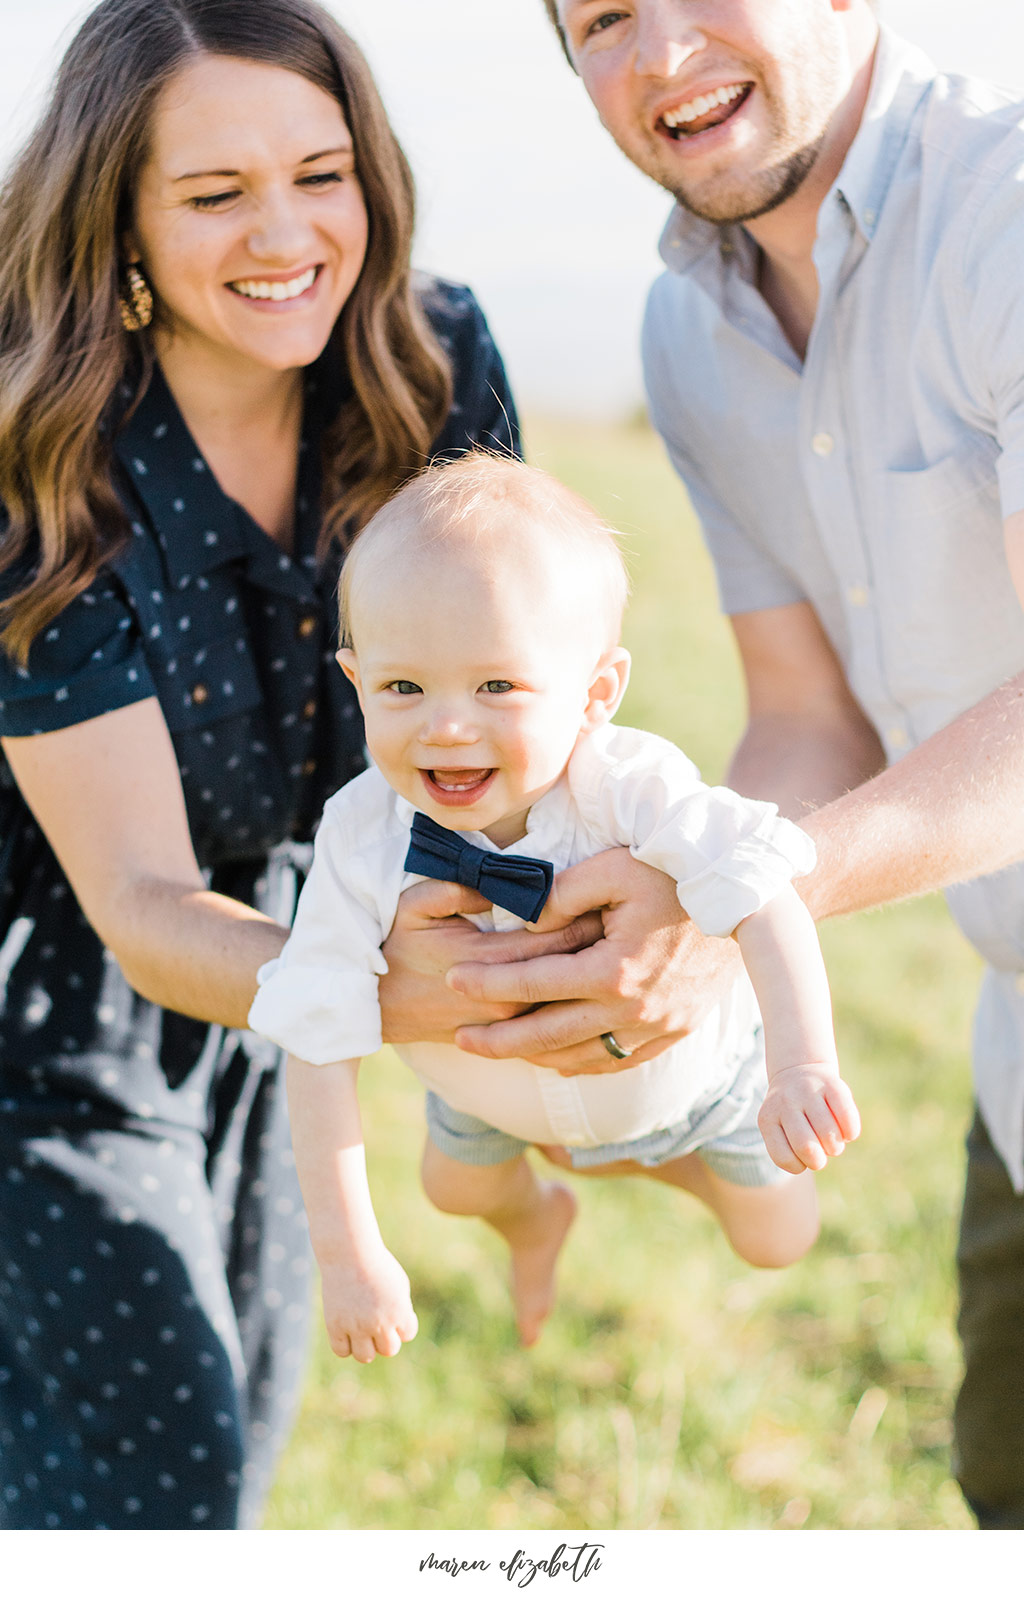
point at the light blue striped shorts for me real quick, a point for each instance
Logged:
(722, 1130)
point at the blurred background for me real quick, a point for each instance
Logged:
(522, 194)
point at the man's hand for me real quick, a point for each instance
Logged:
(649, 979)
(430, 935)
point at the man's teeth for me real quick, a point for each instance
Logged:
(702, 105)
(260, 289)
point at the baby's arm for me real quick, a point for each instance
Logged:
(808, 1113)
(367, 1306)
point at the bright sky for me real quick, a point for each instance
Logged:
(522, 193)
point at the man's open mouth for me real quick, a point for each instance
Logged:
(705, 111)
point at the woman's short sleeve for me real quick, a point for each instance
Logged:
(87, 661)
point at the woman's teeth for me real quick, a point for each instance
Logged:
(696, 109)
(260, 289)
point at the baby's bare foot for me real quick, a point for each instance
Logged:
(534, 1258)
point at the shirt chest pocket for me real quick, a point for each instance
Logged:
(959, 627)
(202, 682)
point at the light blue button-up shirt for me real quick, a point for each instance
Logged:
(872, 479)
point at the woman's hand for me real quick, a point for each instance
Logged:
(430, 935)
(649, 979)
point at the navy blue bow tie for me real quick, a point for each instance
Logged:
(519, 883)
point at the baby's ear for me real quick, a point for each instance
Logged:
(346, 660)
(607, 687)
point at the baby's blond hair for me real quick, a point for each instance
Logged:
(475, 502)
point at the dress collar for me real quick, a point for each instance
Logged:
(198, 527)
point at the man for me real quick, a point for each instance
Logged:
(835, 360)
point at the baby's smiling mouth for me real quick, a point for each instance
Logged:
(457, 786)
(705, 111)
(459, 779)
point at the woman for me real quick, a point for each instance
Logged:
(212, 369)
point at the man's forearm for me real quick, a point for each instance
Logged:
(951, 810)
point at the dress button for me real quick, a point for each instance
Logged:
(309, 710)
(897, 737)
(857, 594)
(307, 625)
(308, 768)
(200, 694)
(822, 444)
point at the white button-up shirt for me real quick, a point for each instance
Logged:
(728, 856)
(873, 478)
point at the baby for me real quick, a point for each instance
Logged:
(481, 610)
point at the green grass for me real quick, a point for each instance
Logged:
(674, 1387)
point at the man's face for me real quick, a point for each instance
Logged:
(725, 103)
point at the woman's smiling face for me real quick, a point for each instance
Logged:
(249, 218)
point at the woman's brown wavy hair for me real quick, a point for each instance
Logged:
(64, 355)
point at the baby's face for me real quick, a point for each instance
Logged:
(475, 686)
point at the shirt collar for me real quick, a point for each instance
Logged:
(198, 527)
(900, 76)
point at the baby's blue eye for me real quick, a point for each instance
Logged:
(498, 686)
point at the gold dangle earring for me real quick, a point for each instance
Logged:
(135, 300)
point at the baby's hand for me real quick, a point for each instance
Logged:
(367, 1305)
(808, 1115)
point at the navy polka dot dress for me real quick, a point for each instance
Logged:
(154, 1263)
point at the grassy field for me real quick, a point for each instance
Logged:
(675, 1387)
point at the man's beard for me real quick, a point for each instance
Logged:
(758, 195)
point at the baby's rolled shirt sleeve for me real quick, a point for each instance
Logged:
(728, 855)
(319, 998)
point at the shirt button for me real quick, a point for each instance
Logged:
(307, 625)
(857, 594)
(897, 737)
(309, 710)
(200, 694)
(822, 444)
(308, 768)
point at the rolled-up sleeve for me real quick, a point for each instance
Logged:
(318, 999)
(728, 855)
(749, 577)
(985, 311)
(89, 660)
